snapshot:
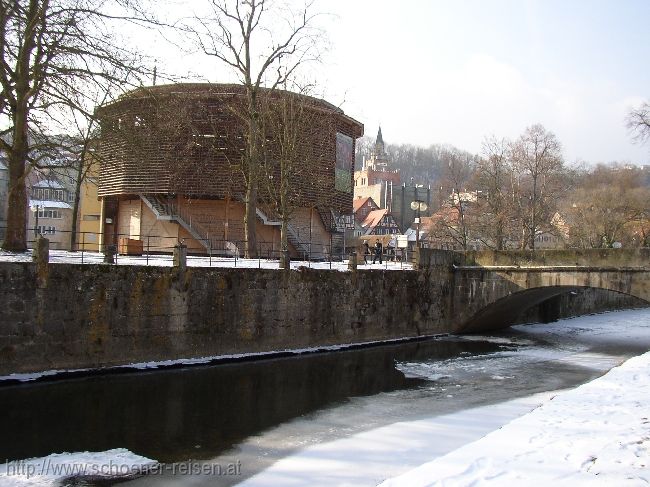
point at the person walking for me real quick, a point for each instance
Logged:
(366, 251)
(378, 252)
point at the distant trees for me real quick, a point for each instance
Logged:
(537, 162)
(610, 204)
(455, 223)
(638, 122)
(495, 212)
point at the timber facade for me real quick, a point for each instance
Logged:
(173, 160)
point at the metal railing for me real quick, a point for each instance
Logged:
(152, 249)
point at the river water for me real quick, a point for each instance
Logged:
(255, 413)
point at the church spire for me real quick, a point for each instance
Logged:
(380, 148)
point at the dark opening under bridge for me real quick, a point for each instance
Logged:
(70, 316)
(490, 290)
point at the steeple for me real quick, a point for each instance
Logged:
(379, 148)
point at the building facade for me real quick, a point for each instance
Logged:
(50, 213)
(173, 164)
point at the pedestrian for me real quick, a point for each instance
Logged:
(378, 251)
(366, 251)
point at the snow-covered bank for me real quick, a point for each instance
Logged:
(369, 457)
(47, 471)
(596, 434)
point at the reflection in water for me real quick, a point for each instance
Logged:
(199, 412)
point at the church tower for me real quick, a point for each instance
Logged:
(378, 158)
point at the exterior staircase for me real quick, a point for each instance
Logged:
(292, 236)
(171, 211)
(331, 222)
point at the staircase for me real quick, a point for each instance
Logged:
(171, 211)
(330, 221)
(292, 236)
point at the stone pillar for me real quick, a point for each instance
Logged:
(352, 263)
(109, 254)
(41, 257)
(180, 256)
(285, 260)
(41, 252)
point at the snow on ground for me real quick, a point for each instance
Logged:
(608, 410)
(66, 257)
(368, 458)
(47, 471)
(596, 434)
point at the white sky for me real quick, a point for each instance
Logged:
(455, 71)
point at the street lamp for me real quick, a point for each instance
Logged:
(418, 206)
(35, 209)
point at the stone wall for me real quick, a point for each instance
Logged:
(79, 316)
(75, 316)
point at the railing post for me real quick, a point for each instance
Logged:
(41, 252)
(41, 256)
(352, 263)
(180, 256)
(148, 248)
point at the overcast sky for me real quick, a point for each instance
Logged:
(455, 71)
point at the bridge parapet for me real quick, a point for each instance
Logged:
(593, 258)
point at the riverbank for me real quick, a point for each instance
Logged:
(352, 436)
(487, 444)
(596, 434)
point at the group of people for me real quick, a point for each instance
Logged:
(377, 253)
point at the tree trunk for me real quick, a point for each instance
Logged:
(16, 235)
(250, 230)
(75, 205)
(250, 250)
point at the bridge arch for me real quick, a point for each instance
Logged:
(507, 310)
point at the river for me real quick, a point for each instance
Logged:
(254, 413)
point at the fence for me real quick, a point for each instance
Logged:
(156, 249)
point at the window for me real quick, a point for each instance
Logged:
(91, 218)
(49, 214)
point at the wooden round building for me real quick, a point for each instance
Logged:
(174, 165)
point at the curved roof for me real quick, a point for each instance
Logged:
(215, 89)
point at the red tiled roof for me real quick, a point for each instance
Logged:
(373, 219)
(358, 203)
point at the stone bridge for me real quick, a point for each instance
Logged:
(491, 289)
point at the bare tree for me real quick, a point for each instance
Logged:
(495, 214)
(452, 225)
(537, 157)
(289, 123)
(265, 45)
(52, 51)
(638, 122)
(611, 204)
